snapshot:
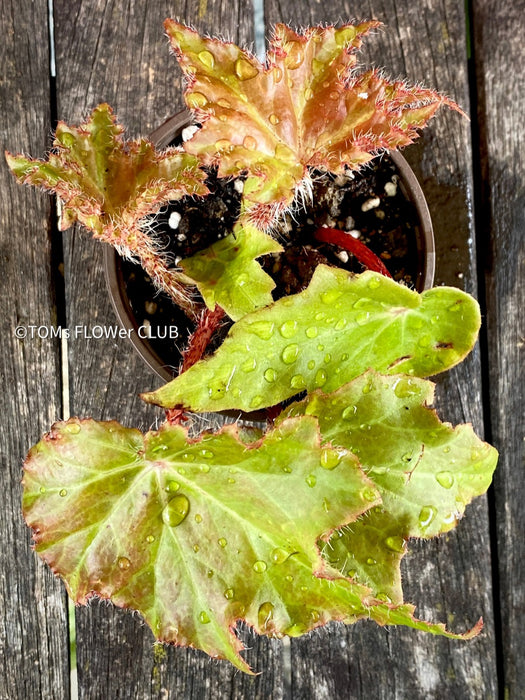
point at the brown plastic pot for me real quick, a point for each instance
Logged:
(162, 137)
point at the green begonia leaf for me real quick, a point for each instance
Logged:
(109, 185)
(330, 333)
(228, 274)
(426, 471)
(198, 534)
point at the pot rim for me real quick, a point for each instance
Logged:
(161, 137)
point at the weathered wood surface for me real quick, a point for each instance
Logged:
(116, 52)
(33, 631)
(499, 53)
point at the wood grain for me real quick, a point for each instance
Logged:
(500, 66)
(117, 52)
(450, 578)
(33, 628)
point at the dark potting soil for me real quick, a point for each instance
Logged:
(369, 205)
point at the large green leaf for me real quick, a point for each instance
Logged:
(198, 534)
(228, 274)
(195, 534)
(330, 333)
(426, 471)
(306, 107)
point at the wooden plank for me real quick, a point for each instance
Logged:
(117, 52)
(449, 579)
(33, 630)
(500, 68)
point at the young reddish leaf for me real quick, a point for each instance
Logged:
(196, 534)
(110, 185)
(227, 273)
(330, 333)
(304, 108)
(426, 471)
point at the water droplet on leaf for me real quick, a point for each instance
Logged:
(204, 617)
(445, 479)
(176, 510)
(395, 543)
(265, 614)
(207, 58)
(244, 69)
(290, 353)
(260, 566)
(330, 459)
(123, 563)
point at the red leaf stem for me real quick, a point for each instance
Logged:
(206, 326)
(354, 246)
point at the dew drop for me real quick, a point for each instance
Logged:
(288, 329)
(188, 457)
(311, 480)
(362, 318)
(340, 324)
(198, 518)
(370, 561)
(280, 555)
(260, 566)
(223, 103)
(217, 389)
(204, 468)
(445, 479)
(384, 597)
(312, 332)
(274, 119)
(286, 469)
(222, 541)
(395, 543)
(150, 539)
(265, 614)
(320, 377)
(195, 100)
(330, 459)
(308, 94)
(263, 329)
(374, 283)
(315, 615)
(204, 618)
(176, 510)
(223, 145)
(288, 578)
(270, 375)
(42, 489)
(249, 365)
(207, 454)
(405, 387)
(330, 297)
(349, 412)
(231, 481)
(229, 593)
(196, 548)
(172, 486)
(369, 494)
(244, 69)
(210, 573)
(62, 492)
(277, 74)
(295, 55)
(123, 563)
(427, 515)
(297, 382)
(207, 58)
(72, 428)
(256, 401)
(367, 388)
(249, 143)
(290, 353)
(351, 573)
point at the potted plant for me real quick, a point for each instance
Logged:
(307, 521)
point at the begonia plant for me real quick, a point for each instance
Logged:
(306, 521)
